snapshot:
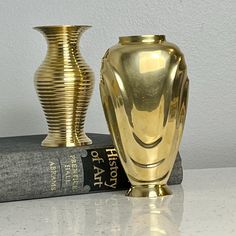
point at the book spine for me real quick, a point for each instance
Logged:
(51, 172)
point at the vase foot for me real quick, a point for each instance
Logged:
(77, 141)
(151, 191)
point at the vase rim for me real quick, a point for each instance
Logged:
(146, 38)
(60, 26)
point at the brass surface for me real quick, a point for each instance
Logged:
(64, 83)
(151, 191)
(144, 91)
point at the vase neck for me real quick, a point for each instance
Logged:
(137, 39)
(62, 37)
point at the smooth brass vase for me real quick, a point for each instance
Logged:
(144, 91)
(64, 83)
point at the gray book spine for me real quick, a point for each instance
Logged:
(39, 173)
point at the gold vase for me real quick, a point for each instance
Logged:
(144, 91)
(64, 83)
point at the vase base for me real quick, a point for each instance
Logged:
(150, 191)
(52, 141)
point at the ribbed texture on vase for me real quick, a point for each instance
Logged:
(64, 83)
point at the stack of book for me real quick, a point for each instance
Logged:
(29, 171)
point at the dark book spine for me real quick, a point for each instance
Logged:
(49, 173)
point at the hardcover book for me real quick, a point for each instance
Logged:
(29, 171)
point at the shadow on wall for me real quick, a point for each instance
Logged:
(22, 119)
(221, 156)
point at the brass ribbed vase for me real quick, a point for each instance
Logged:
(64, 83)
(144, 91)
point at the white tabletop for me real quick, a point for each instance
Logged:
(205, 205)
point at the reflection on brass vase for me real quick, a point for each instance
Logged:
(144, 91)
(64, 83)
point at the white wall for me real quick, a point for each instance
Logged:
(204, 30)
